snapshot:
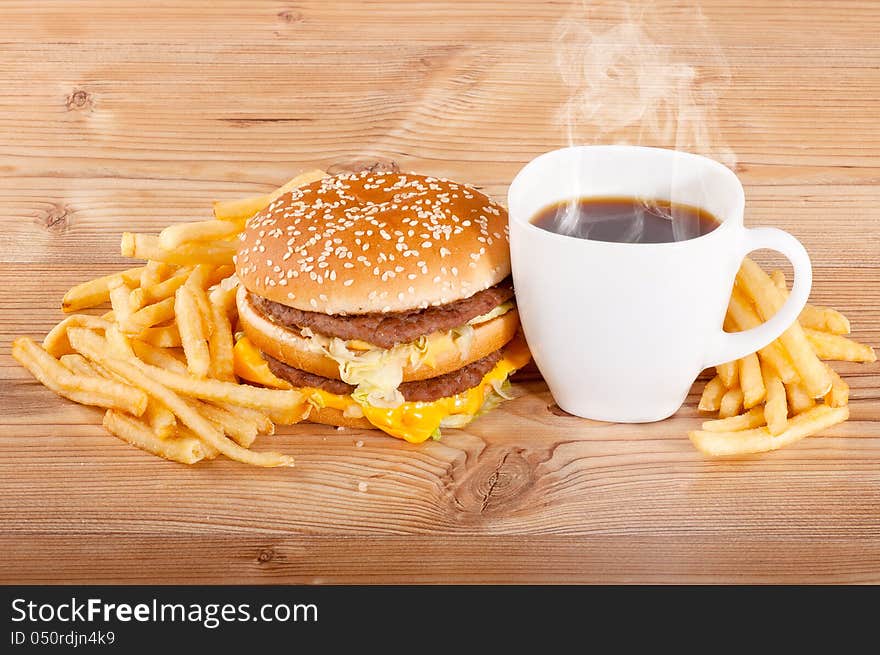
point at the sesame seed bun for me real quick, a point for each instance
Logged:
(291, 348)
(375, 242)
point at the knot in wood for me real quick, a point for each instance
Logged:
(79, 100)
(499, 478)
(56, 219)
(360, 165)
(290, 16)
(266, 555)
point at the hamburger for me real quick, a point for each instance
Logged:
(386, 298)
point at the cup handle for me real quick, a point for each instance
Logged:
(730, 346)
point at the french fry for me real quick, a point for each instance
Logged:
(768, 300)
(760, 440)
(159, 357)
(76, 363)
(97, 291)
(751, 419)
(186, 450)
(776, 406)
(262, 421)
(750, 381)
(136, 299)
(164, 289)
(151, 380)
(175, 236)
(118, 343)
(799, 399)
(242, 431)
(186, 433)
(162, 336)
(729, 374)
(198, 278)
(219, 274)
(241, 210)
(154, 272)
(238, 211)
(220, 345)
(146, 246)
(836, 347)
(137, 322)
(743, 315)
(814, 316)
(824, 319)
(710, 401)
(224, 294)
(839, 394)
(56, 344)
(778, 278)
(83, 389)
(161, 419)
(731, 403)
(119, 299)
(196, 284)
(192, 336)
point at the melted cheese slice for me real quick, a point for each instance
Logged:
(413, 421)
(416, 421)
(249, 365)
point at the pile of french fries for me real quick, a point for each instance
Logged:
(784, 392)
(160, 361)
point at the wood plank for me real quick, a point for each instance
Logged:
(270, 559)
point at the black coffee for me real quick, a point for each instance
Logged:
(626, 220)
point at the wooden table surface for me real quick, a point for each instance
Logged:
(118, 118)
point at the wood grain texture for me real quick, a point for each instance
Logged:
(117, 117)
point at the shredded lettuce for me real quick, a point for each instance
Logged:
(419, 351)
(353, 411)
(500, 310)
(498, 393)
(456, 421)
(463, 337)
(503, 388)
(377, 373)
(316, 401)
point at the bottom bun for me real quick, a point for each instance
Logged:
(332, 416)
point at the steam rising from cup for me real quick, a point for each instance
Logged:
(637, 76)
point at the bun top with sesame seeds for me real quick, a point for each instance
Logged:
(375, 242)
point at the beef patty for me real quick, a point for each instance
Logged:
(442, 386)
(388, 329)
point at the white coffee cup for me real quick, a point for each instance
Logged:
(620, 331)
